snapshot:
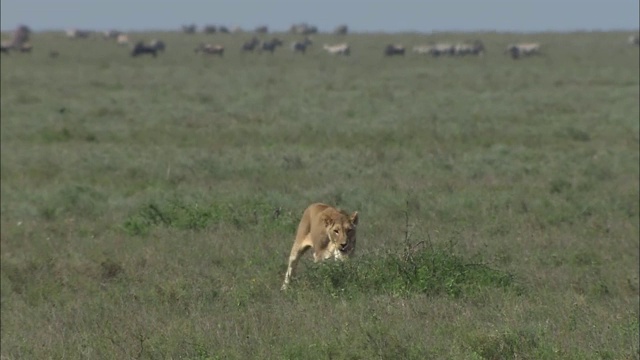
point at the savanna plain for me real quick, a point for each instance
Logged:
(149, 204)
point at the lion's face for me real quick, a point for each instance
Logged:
(341, 230)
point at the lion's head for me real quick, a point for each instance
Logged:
(341, 230)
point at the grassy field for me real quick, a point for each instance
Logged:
(149, 205)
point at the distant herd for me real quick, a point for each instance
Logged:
(21, 35)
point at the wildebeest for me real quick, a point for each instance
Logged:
(251, 44)
(634, 40)
(189, 29)
(19, 41)
(435, 49)
(338, 49)
(524, 49)
(270, 45)
(141, 48)
(442, 49)
(392, 49)
(21, 35)
(158, 44)
(209, 29)
(263, 29)
(77, 34)
(474, 48)
(341, 30)
(301, 46)
(303, 29)
(209, 49)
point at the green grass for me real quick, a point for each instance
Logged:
(149, 205)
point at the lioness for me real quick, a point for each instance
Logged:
(331, 232)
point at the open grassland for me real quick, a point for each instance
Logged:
(149, 205)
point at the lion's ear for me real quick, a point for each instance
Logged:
(354, 218)
(327, 220)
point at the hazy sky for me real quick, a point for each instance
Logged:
(360, 15)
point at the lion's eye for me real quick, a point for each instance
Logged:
(336, 231)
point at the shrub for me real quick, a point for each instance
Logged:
(427, 271)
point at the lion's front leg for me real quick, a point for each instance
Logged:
(296, 252)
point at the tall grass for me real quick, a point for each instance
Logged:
(148, 205)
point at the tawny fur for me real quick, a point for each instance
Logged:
(329, 231)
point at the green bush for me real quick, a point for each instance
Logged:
(427, 271)
(194, 216)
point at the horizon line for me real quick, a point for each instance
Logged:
(329, 32)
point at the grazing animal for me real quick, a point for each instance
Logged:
(303, 29)
(442, 49)
(209, 49)
(634, 40)
(270, 45)
(422, 49)
(140, 48)
(122, 40)
(301, 46)
(19, 41)
(158, 44)
(474, 48)
(341, 30)
(329, 231)
(524, 49)
(77, 34)
(21, 35)
(391, 50)
(435, 50)
(6, 46)
(251, 44)
(189, 29)
(261, 29)
(339, 49)
(209, 29)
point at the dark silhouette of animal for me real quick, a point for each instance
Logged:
(77, 34)
(271, 45)
(19, 40)
(301, 46)
(158, 44)
(391, 50)
(140, 48)
(251, 44)
(303, 29)
(209, 29)
(341, 30)
(261, 29)
(189, 29)
(473, 48)
(525, 49)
